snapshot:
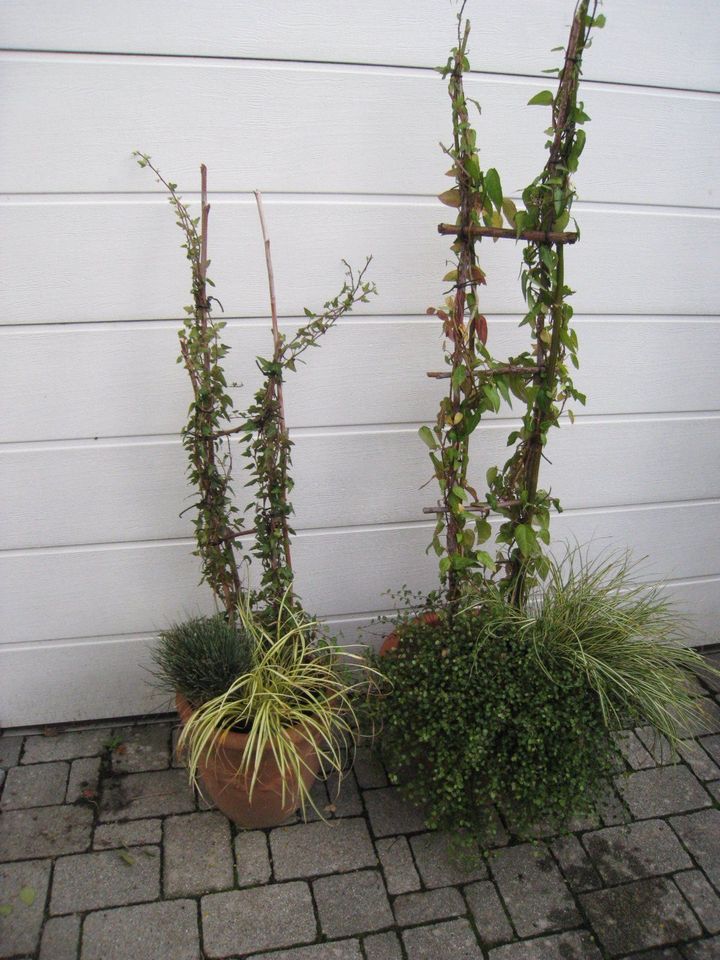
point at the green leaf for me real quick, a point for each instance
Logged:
(543, 99)
(562, 221)
(427, 437)
(493, 188)
(491, 476)
(126, 857)
(510, 210)
(599, 21)
(27, 895)
(483, 557)
(458, 376)
(459, 492)
(6, 908)
(526, 539)
(483, 530)
(451, 198)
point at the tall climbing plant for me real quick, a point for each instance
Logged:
(262, 428)
(539, 377)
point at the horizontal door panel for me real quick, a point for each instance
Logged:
(84, 260)
(368, 371)
(644, 146)
(129, 491)
(676, 40)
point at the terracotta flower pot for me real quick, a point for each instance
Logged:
(230, 790)
(392, 639)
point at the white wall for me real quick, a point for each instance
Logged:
(331, 109)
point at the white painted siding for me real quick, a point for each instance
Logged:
(336, 117)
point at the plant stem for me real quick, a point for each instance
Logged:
(276, 386)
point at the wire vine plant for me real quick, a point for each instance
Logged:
(262, 428)
(538, 377)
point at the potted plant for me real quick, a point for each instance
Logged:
(265, 698)
(505, 688)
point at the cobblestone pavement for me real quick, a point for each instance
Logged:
(105, 854)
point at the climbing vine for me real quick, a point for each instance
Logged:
(209, 454)
(262, 428)
(548, 200)
(539, 377)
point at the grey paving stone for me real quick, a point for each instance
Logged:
(712, 680)
(311, 849)
(88, 881)
(714, 789)
(383, 946)
(175, 759)
(533, 889)
(151, 931)
(703, 950)
(633, 750)
(390, 814)
(702, 898)
(700, 832)
(611, 808)
(252, 858)
(658, 746)
(40, 785)
(645, 849)
(65, 746)
(440, 865)
(662, 791)
(368, 769)
(712, 746)
(575, 864)
(344, 800)
(350, 903)
(698, 760)
(143, 747)
(137, 796)
(452, 940)
(338, 950)
(84, 775)
(397, 863)
(640, 915)
(318, 809)
(20, 929)
(488, 913)
(426, 905)
(709, 723)
(60, 938)
(544, 829)
(44, 832)
(197, 854)
(577, 945)
(261, 918)
(662, 953)
(10, 748)
(134, 833)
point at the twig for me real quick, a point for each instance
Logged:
(502, 233)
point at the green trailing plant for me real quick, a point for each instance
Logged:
(293, 682)
(471, 720)
(518, 708)
(201, 657)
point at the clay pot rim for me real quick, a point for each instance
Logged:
(431, 618)
(232, 738)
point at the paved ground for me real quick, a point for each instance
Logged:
(105, 854)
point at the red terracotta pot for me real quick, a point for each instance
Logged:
(230, 790)
(393, 639)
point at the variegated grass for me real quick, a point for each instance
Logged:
(297, 683)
